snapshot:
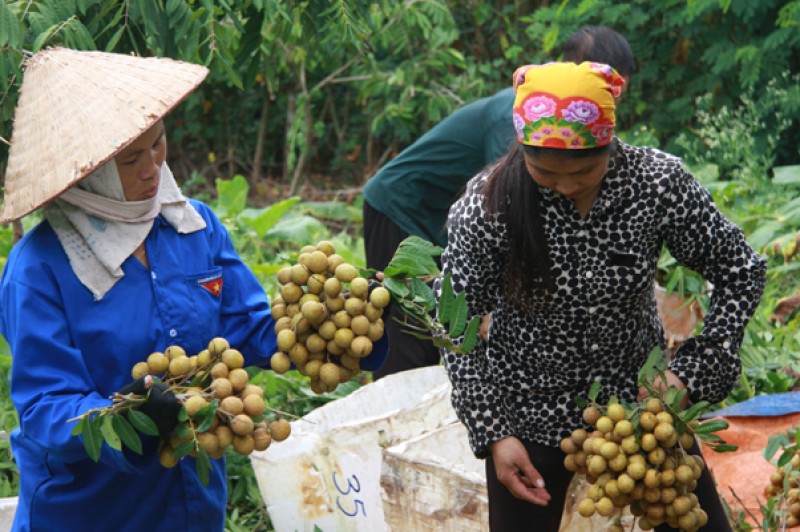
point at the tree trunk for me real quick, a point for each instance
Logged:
(291, 111)
(258, 156)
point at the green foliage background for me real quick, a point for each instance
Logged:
(313, 96)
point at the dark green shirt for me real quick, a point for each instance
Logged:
(416, 188)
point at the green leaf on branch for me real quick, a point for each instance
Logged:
(694, 411)
(594, 391)
(422, 293)
(142, 423)
(203, 467)
(713, 425)
(446, 299)
(78, 428)
(459, 319)
(184, 449)
(205, 417)
(414, 257)
(725, 448)
(397, 288)
(92, 438)
(471, 335)
(653, 366)
(127, 433)
(109, 435)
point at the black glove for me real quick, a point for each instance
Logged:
(162, 406)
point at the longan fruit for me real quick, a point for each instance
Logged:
(354, 306)
(140, 369)
(285, 275)
(239, 379)
(286, 340)
(224, 435)
(253, 405)
(279, 362)
(219, 371)
(316, 284)
(252, 389)
(280, 429)
(180, 366)
(329, 373)
(345, 272)
(217, 345)
(359, 287)
(232, 405)
(204, 358)
(158, 363)
(193, 404)
(361, 346)
(175, 351)
(262, 439)
(208, 442)
(232, 358)
(221, 387)
(317, 262)
(380, 297)
(372, 312)
(299, 274)
(244, 444)
(334, 261)
(333, 287)
(166, 457)
(242, 424)
(326, 247)
(298, 354)
(335, 304)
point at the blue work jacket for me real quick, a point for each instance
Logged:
(70, 353)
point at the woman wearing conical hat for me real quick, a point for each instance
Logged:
(561, 240)
(122, 265)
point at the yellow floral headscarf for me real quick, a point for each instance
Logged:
(565, 105)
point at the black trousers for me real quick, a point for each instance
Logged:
(382, 237)
(509, 514)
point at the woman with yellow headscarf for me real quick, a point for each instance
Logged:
(560, 241)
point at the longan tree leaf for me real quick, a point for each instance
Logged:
(127, 433)
(725, 448)
(459, 319)
(652, 366)
(397, 288)
(594, 391)
(184, 449)
(109, 435)
(775, 443)
(142, 423)
(92, 438)
(784, 459)
(694, 411)
(446, 299)
(414, 257)
(78, 428)
(713, 425)
(423, 294)
(203, 467)
(183, 415)
(205, 417)
(471, 335)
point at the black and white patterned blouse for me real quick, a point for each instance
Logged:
(601, 322)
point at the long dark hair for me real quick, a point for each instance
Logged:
(511, 193)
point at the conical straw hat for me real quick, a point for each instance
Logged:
(77, 110)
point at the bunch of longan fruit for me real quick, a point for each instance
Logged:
(636, 459)
(327, 318)
(212, 383)
(787, 482)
